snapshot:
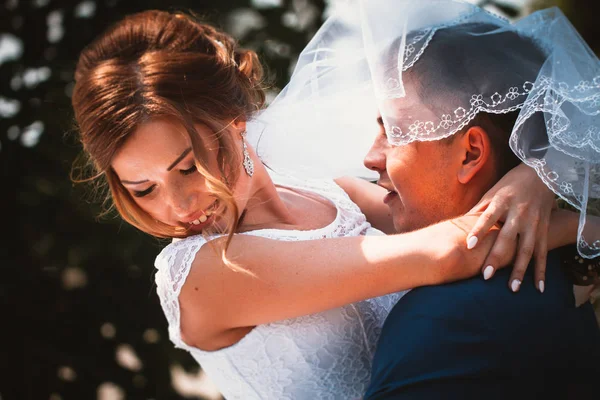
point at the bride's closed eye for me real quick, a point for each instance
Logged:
(189, 170)
(142, 193)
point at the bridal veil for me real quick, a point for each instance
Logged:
(457, 60)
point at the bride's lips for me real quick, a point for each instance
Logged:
(201, 225)
(205, 218)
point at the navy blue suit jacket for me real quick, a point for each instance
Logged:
(475, 339)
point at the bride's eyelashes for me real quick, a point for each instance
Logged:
(189, 170)
(142, 193)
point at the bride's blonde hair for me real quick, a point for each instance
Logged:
(163, 65)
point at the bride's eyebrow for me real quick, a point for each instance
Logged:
(181, 156)
(170, 167)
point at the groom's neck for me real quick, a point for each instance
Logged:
(468, 196)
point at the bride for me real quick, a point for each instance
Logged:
(276, 283)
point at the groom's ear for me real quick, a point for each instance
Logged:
(476, 153)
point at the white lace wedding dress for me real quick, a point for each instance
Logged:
(320, 356)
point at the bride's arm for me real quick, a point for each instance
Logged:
(368, 197)
(290, 279)
(520, 201)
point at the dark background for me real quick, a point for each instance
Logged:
(80, 315)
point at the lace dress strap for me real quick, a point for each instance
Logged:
(173, 265)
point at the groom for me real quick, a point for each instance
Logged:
(472, 339)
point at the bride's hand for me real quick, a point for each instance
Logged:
(454, 261)
(522, 204)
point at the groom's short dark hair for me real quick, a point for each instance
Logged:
(462, 57)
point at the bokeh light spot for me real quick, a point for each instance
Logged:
(56, 30)
(9, 107)
(261, 4)
(67, 374)
(151, 336)
(85, 9)
(74, 278)
(11, 47)
(109, 391)
(127, 358)
(108, 330)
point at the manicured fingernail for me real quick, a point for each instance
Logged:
(515, 285)
(541, 286)
(471, 242)
(488, 272)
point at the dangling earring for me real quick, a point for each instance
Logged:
(248, 163)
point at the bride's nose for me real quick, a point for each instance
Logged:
(182, 202)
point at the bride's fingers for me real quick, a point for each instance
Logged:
(541, 255)
(526, 247)
(502, 250)
(541, 251)
(480, 206)
(486, 220)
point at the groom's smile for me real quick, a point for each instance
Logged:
(419, 178)
(390, 196)
(387, 185)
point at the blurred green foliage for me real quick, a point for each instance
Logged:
(76, 288)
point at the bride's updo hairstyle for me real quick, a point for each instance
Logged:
(163, 65)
